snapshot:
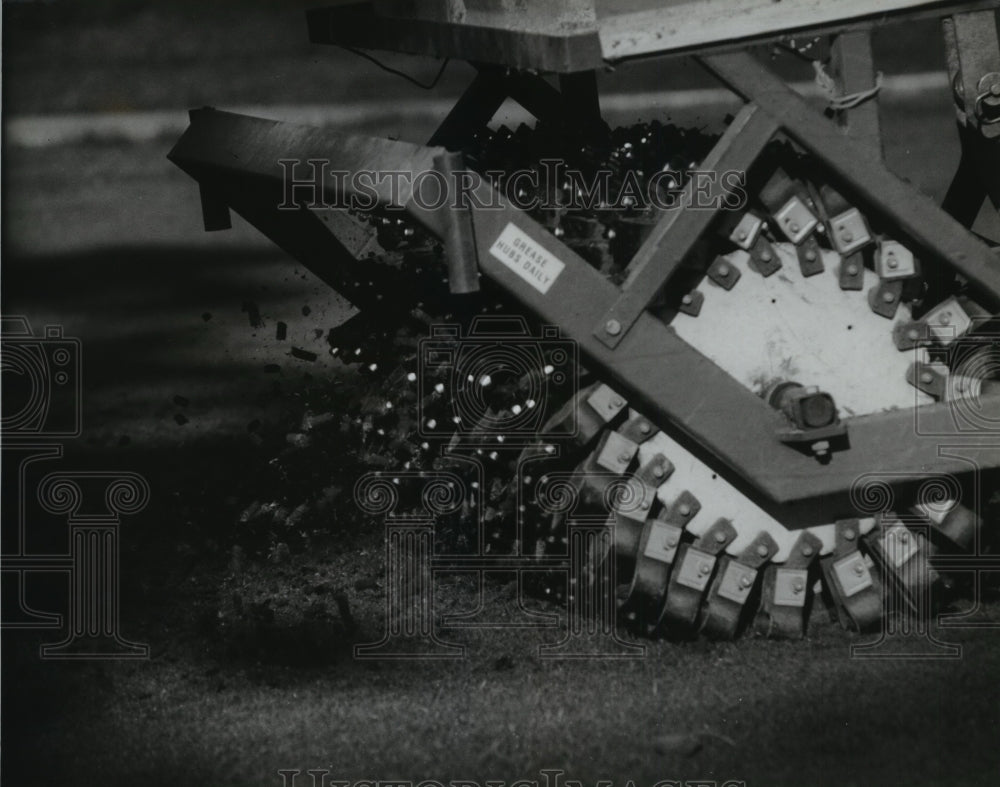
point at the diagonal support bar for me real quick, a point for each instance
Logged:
(676, 233)
(926, 228)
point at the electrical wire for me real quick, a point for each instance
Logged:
(405, 76)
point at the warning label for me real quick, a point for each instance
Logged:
(526, 258)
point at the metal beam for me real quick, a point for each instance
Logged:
(853, 70)
(918, 222)
(359, 25)
(676, 233)
(682, 391)
(476, 107)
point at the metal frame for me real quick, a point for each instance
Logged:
(718, 418)
(677, 26)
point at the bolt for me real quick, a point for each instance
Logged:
(745, 581)
(913, 334)
(846, 235)
(722, 270)
(741, 235)
(892, 262)
(849, 534)
(811, 255)
(798, 586)
(644, 505)
(613, 327)
(645, 428)
(821, 448)
(793, 226)
(686, 300)
(945, 318)
(807, 551)
(762, 550)
(859, 569)
(888, 297)
(704, 568)
(765, 256)
(658, 472)
(672, 541)
(720, 537)
(684, 509)
(926, 378)
(624, 458)
(852, 270)
(617, 401)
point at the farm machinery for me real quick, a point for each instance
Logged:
(764, 365)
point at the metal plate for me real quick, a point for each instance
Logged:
(617, 453)
(695, 571)
(663, 542)
(849, 232)
(790, 586)
(899, 545)
(894, 261)
(745, 233)
(796, 220)
(606, 403)
(852, 573)
(947, 321)
(641, 500)
(724, 273)
(737, 582)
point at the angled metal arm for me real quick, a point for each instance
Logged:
(921, 224)
(684, 392)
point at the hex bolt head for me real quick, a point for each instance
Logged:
(888, 297)
(807, 551)
(852, 270)
(658, 472)
(798, 586)
(720, 537)
(684, 509)
(811, 255)
(645, 428)
(765, 255)
(722, 270)
(859, 569)
(672, 542)
(613, 327)
(849, 534)
(686, 300)
(704, 568)
(741, 235)
(745, 581)
(926, 378)
(762, 550)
